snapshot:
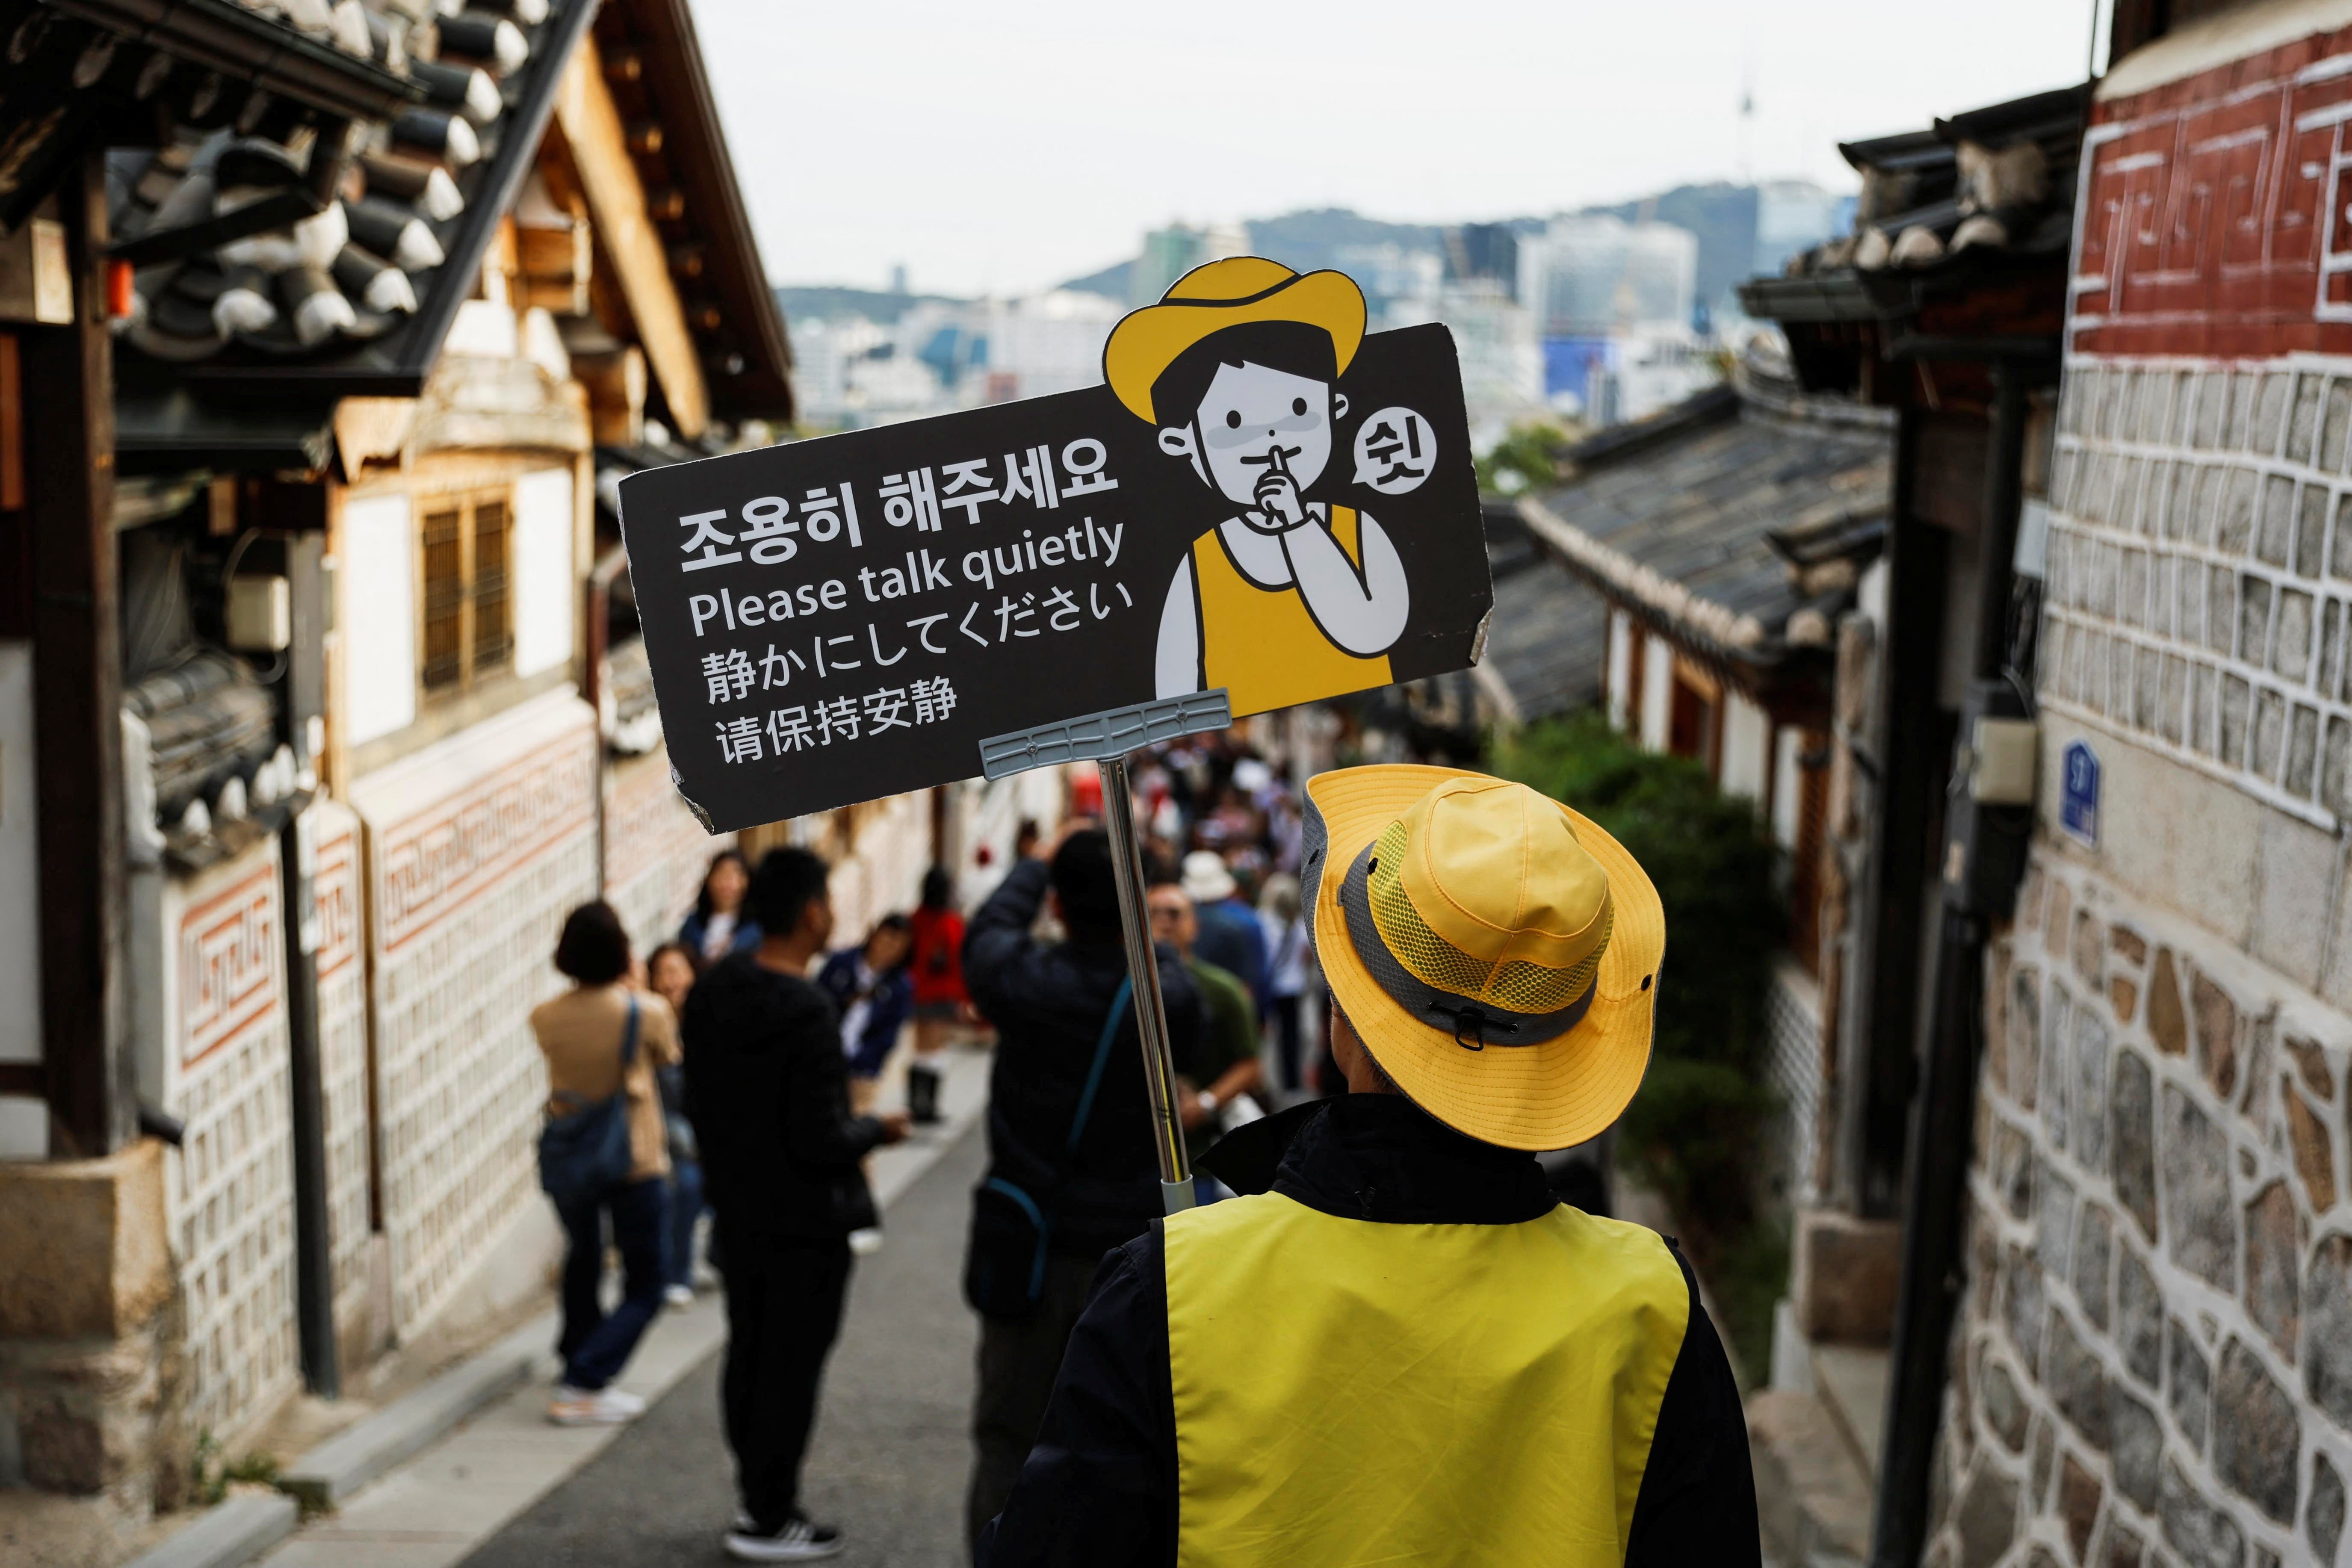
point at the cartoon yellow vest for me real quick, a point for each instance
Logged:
(1261, 644)
(1352, 1391)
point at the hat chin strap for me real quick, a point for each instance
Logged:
(1473, 1024)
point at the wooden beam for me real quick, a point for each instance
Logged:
(78, 696)
(599, 148)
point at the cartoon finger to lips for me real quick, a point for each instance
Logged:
(1287, 598)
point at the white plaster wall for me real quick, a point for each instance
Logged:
(20, 907)
(1621, 668)
(1747, 748)
(543, 570)
(1787, 783)
(1657, 692)
(378, 585)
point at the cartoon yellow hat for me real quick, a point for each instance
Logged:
(1227, 293)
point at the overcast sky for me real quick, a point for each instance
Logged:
(1006, 147)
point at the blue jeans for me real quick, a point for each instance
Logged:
(595, 1347)
(685, 1208)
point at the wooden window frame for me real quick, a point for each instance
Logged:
(479, 660)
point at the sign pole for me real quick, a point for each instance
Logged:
(1143, 967)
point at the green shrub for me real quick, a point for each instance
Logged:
(1695, 1129)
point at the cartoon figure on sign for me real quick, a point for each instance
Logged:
(1287, 598)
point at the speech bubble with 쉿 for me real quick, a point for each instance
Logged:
(1396, 450)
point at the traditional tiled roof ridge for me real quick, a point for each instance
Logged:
(1740, 636)
(1738, 519)
(267, 257)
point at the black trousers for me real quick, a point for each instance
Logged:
(1018, 1363)
(783, 1312)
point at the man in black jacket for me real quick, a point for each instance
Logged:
(1050, 1003)
(768, 1092)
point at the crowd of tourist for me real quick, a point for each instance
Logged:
(736, 1070)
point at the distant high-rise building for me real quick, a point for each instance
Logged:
(1483, 250)
(1172, 252)
(1598, 275)
(899, 278)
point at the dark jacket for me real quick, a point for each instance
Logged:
(1048, 1001)
(885, 1013)
(1232, 938)
(744, 938)
(767, 1092)
(1099, 1489)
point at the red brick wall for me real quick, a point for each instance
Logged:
(2215, 214)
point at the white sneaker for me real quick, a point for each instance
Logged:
(798, 1540)
(592, 1406)
(865, 1243)
(679, 1296)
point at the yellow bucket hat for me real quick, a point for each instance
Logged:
(1219, 294)
(1497, 953)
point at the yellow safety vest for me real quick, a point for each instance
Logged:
(1261, 644)
(1353, 1392)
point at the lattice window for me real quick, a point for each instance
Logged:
(469, 602)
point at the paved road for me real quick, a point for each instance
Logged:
(889, 1458)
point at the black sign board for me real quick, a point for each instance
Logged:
(839, 619)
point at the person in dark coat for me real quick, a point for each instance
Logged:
(1050, 1002)
(869, 984)
(767, 1089)
(1398, 1345)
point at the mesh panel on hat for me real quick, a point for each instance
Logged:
(1313, 840)
(1521, 986)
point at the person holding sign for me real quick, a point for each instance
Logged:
(1070, 1172)
(1401, 1347)
(1287, 598)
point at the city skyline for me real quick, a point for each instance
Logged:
(946, 183)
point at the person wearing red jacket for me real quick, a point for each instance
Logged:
(935, 963)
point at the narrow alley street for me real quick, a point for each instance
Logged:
(889, 1460)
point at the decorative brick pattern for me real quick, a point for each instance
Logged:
(470, 889)
(656, 850)
(231, 1186)
(2160, 1290)
(343, 1059)
(2200, 587)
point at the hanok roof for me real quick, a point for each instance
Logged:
(356, 296)
(1977, 190)
(379, 235)
(83, 72)
(1548, 634)
(1735, 521)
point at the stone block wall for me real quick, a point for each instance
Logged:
(2199, 584)
(2155, 1359)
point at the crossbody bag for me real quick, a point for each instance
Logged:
(584, 1149)
(1012, 1226)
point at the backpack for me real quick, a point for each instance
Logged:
(584, 1152)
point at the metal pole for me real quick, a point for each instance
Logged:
(1143, 968)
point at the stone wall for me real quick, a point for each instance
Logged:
(2157, 1343)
